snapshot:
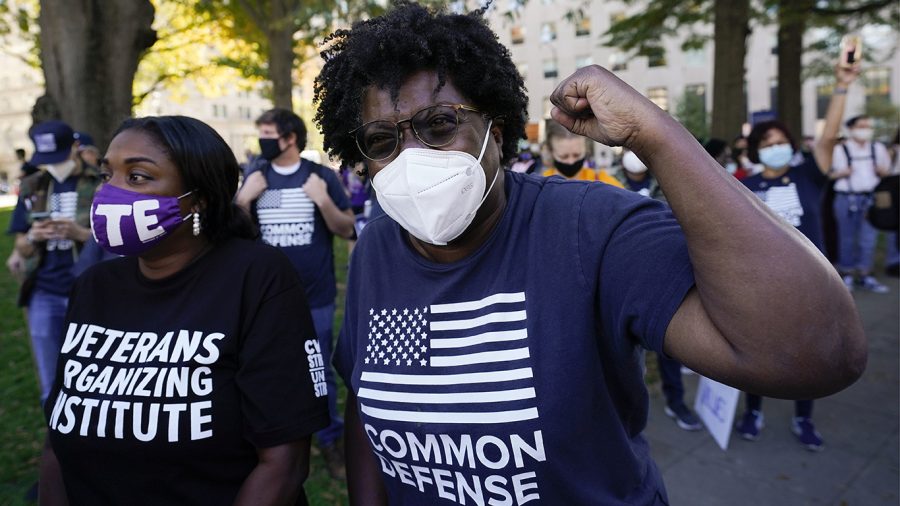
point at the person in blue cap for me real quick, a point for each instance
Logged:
(51, 222)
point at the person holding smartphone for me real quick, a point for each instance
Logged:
(51, 223)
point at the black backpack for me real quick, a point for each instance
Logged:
(885, 211)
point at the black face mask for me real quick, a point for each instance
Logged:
(568, 169)
(269, 149)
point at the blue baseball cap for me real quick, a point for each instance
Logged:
(84, 140)
(52, 142)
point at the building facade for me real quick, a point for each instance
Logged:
(547, 47)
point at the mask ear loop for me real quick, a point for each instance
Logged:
(487, 137)
(191, 214)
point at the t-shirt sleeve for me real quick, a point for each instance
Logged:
(644, 270)
(278, 360)
(335, 189)
(18, 224)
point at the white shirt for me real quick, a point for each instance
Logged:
(863, 178)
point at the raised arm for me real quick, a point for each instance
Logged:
(824, 149)
(768, 313)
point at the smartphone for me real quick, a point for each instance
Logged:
(39, 216)
(851, 50)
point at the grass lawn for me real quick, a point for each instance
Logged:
(22, 423)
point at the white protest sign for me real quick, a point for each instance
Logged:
(716, 404)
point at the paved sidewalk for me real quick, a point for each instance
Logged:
(859, 466)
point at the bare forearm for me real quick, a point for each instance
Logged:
(277, 478)
(363, 477)
(824, 150)
(339, 222)
(772, 296)
(25, 247)
(51, 490)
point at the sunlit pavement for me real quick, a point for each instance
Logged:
(859, 465)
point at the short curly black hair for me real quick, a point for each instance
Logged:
(384, 51)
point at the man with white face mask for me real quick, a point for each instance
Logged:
(51, 222)
(494, 323)
(859, 164)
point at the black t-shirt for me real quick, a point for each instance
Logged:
(166, 388)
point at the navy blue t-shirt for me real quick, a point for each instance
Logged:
(54, 275)
(795, 196)
(289, 220)
(516, 373)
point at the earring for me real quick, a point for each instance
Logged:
(196, 224)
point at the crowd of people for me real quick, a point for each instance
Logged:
(499, 300)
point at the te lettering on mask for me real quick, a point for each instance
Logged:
(130, 223)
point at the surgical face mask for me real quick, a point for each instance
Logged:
(269, 149)
(862, 134)
(777, 156)
(130, 223)
(731, 167)
(568, 169)
(633, 164)
(433, 194)
(62, 170)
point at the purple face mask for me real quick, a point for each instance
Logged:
(130, 223)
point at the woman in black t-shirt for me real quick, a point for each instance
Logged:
(187, 375)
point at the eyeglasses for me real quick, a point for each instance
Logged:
(435, 126)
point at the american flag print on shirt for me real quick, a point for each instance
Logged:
(286, 217)
(785, 202)
(62, 206)
(451, 363)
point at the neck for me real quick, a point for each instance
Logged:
(860, 143)
(288, 158)
(172, 259)
(486, 219)
(769, 173)
(636, 177)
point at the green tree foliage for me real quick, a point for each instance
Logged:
(281, 32)
(19, 30)
(691, 112)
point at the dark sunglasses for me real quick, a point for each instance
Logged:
(435, 126)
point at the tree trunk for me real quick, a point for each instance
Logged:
(729, 109)
(281, 66)
(792, 16)
(90, 50)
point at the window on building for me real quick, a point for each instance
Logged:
(659, 96)
(548, 32)
(656, 57)
(823, 97)
(695, 57)
(583, 61)
(698, 90)
(550, 68)
(517, 34)
(583, 27)
(618, 62)
(215, 110)
(878, 84)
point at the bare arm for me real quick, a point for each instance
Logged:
(339, 222)
(824, 149)
(278, 475)
(768, 314)
(252, 188)
(363, 477)
(51, 490)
